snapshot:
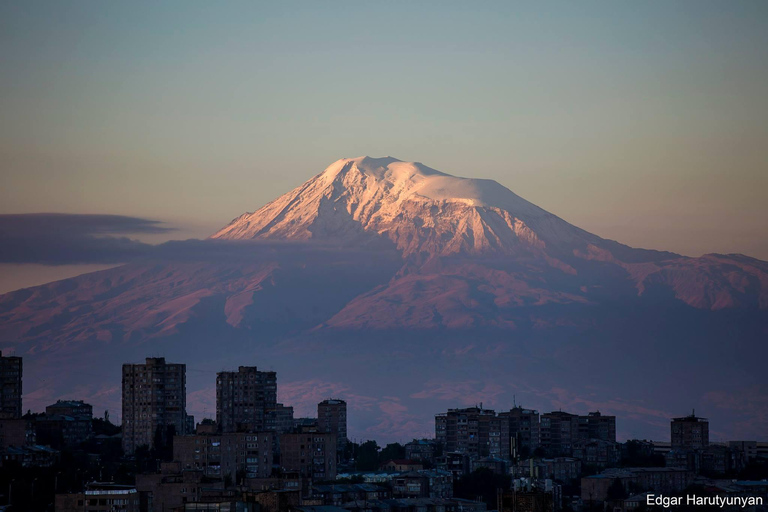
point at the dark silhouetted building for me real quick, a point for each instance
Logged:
(310, 452)
(523, 431)
(332, 418)
(280, 419)
(154, 402)
(421, 449)
(597, 426)
(10, 387)
(100, 498)
(465, 430)
(244, 399)
(689, 433)
(65, 424)
(226, 455)
(558, 432)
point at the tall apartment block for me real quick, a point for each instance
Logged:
(523, 431)
(154, 398)
(10, 387)
(466, 431)
(332, 418)
(559, 430)
(244, 399)
(690, 433)
(597, 426)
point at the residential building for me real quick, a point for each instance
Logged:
(244, 399)
(561, 469)
(597, 426)
(74, 408)
(172, 487)
(597, 453)
(689, 433)
(456, 463)
(423, 484)
(10, 387)
(421, 449)
(65, 424)
(154, 402)
(524, 431)
(339, 494)
(310, 452)
(558, 432)
(100, 498)
(280, 419)
(400, 465)
(332, 417)
(466, 431)
(233, 455)
(594, 489)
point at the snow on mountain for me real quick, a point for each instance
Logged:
(421, 210)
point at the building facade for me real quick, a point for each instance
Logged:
(244, 399)
(689, 433)
(332, 418)
(466, 431)
(558, 432)
(154, 402)
(10, 387)
(311, 453)
(523, 430)
(234, 455)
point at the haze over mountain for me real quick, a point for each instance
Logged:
(407, 291)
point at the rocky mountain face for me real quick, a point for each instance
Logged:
(408, 291)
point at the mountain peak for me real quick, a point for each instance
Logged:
(420, 209)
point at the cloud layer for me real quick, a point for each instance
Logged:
(60, 239)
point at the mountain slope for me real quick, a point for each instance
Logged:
(408, 291)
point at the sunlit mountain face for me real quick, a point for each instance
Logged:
(407, 291)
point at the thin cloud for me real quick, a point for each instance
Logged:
(59, 239)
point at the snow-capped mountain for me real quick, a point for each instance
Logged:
(421, 210)
(377, 267)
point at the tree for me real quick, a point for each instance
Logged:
(367, 456)
(392, 451)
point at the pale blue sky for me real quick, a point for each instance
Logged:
(645, 122)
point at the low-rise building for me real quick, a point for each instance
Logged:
(423, 484)
(338, 494)
(561, 469)
(30, 456)
(597, 452)
(99, 497)
(455, 463)
(421, 449)
(401, 465)
(233, 456)
(172, 486)
(594, 489)
(495, 464)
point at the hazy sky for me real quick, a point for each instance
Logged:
(645, 122)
